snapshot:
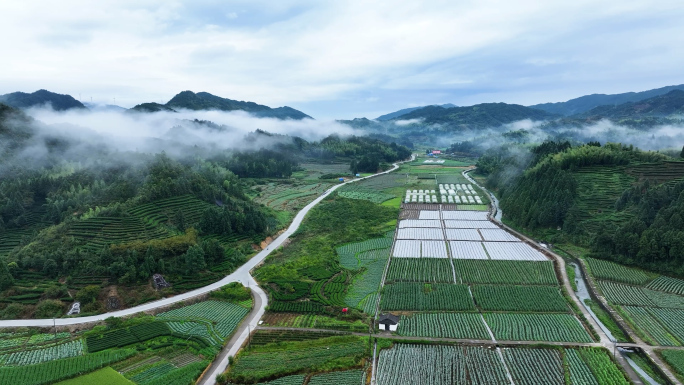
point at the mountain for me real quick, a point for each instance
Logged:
(586, 103)
(205, 101)
(672, 103)
(477, 116)
(104, 107)
(405, 111)
(151, 107)
(39, 98)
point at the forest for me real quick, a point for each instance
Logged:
(620, 202)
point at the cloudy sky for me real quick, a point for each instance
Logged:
(341, 59)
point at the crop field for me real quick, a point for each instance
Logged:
(356, 191)
(266, 361)
(12, 238)
(198, 329)
(37, 356)
(599, 187)
(126, 336)
(420, 270)
(645, 322)
(426, 297)
(605, 371)
(535, 366)
(614, 272)
(439, 365)
(462, 235)
(347, 377)
(383, 182)
(467, 250)
(580, 372)
(498, 235)
(420, 223)
(104, 230)
(163, 210)
(226, 316)
(506, 272)
(106, 376)
(637, 296)
(289, 197)
(454, 224)
(297, 379)
(667, 284)
(461, 215)
(674, 358)
(672, 319)
(536, 327)
(519, 298)
(420, 233)
(313, 171)
(444, 325)
(516, 251)
(53, 371)
(355, 255)
(264, 337)
(365, 283)
(660, 172)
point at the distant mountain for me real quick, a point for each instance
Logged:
(205, 101)
(40, 98)
(586, 103)
(104, 107)
(151, 107)
(477, 116)
(405, 111)
(672, 103)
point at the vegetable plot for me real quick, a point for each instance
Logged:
(37, 356)
(506, 272)
(535, 366)
(347, 377)
(420, 270)
(614, 272)
(519, 298)
(536, 327)
(667, 284)
(420, 297)
(225, 315)
(444, 325)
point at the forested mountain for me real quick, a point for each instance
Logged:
(205, 101)
(40, 98)
(405, 111)
(665, 105)
(587, 102)
(622, 203)
(477, 116)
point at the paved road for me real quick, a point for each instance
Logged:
(242, 274)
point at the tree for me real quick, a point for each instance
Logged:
(88, 294)
(106, 257)
(194, 259)
(180, 220)
(213, 252)
(50, 268)
(354, 167)
(6, 280)
(49, 308)
(681, 155)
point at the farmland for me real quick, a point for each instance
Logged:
(506, 272)
(225, 316)
(536, 327)
(519, 298)
(426, 297)
(614, 272)
(534, 366)
(444, 325)
(420, 270)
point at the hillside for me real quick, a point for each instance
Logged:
(405, 111)
(621, 203)
(666, 105)
(40, 98)
(205, 101)
(587, 102)
(477, 116)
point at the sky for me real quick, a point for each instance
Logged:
(341, 59)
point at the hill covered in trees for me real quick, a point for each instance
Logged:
(41, 98)
(620, 202)
(588, 102)
(205, 101)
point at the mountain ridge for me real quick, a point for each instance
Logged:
(58, 102)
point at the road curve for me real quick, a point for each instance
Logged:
(242, 274)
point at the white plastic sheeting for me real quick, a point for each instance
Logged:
(434, 250)
(451, 224)
(463, 235)
(420, 233)
(467, 250)
(406, 249)
(514, 251)
(429, 214)
(419, 223)
(420, 249)
(498, 235)
(465, 215)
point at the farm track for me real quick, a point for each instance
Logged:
(604, 340)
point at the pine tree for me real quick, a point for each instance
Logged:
(194, 260)
(180, 220)
(6, 279)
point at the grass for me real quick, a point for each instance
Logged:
(106, 376)
(607, 321)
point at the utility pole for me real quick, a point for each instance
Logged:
(54, 323)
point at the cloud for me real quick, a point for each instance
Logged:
(304, 52)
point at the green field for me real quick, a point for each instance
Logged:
(536, 327)
(444, 325)
(106, 376)
(519, 298)
(420, 270)
(426, 297)
(505, 272)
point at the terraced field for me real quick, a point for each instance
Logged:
(289, 197)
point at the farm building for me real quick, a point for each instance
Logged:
(388, 322)
(436, 152)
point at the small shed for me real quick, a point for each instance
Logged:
(388, 322)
